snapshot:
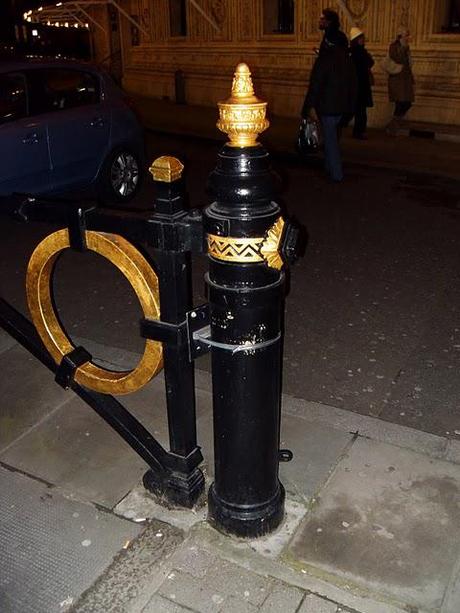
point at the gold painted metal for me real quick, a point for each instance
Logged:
(270, 246)
(166, 168)
(242, 116)
(232, 249)
(143, 281)
(253, 250)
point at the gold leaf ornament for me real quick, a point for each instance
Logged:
(270, 249)
(242, 116)
(166, 169)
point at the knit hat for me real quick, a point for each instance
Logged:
(355, 32)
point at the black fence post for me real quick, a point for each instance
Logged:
(184, 485)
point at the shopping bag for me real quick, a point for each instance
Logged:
(390, 66)
(309, 137)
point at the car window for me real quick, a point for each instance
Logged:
(58, 89)
(13, 97)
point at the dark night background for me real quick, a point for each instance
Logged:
(16, 34)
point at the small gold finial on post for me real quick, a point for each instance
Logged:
(166, 169)
(242, 116)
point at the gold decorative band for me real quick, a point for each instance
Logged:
(143, 281)
(259, 249)
(235, 249)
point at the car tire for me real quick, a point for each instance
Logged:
(120, 177)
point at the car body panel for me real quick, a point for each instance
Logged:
(25, 157)
(79, 141)
(73, 136)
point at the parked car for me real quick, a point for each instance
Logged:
(65, 126)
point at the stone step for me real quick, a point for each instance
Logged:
(424, 129)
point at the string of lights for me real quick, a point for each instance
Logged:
(38, 16)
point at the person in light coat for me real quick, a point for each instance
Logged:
(401, 86)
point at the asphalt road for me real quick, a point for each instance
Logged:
(372, 317)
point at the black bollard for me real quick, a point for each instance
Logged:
(244, 231)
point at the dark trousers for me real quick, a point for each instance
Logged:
(401, 108)
(332, 160)
(360, 120)
(360, 116)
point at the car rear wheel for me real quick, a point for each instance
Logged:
(120, 177)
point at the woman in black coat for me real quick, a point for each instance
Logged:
(363, 62)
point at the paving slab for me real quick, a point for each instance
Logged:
(128, 584)
(139, 505)
(187, 591)
(52, 547)
(206, 581)
(76, 449)
(6, 341)
(244, 554)
(453, 451)
(157, 603)
(451, 603)
(370, 427)
(388, 521)
(283, 598)
(29, 394)
(315, 446)
(226, 587)
(313, 604)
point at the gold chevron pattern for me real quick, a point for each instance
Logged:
(232, 249)
(259, 249)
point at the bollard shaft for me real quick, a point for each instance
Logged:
(246, 309)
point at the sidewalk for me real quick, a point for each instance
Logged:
(410, 154)
(372, 512)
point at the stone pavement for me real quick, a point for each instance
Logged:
(421, 155)
(372, 512)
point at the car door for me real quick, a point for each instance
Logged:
(24, 153)
(78, 125)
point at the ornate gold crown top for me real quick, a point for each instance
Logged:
(242, 116)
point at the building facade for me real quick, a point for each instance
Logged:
(189, 49)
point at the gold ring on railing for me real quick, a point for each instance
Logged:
(144, 282)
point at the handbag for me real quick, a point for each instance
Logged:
(390, 66)
(309, 137)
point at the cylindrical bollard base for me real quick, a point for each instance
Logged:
(246, 521)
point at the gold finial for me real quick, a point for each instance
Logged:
(242, 116)
(166, 169)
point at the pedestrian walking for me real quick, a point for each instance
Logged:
(401, 84)
(363, 62)
(329, 23)
(332, 90)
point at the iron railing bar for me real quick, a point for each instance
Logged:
(112, 411)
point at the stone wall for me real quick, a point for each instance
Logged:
(281, 63)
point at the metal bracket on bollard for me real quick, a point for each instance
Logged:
(198, 331)
(163, 331)
(199, 336)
